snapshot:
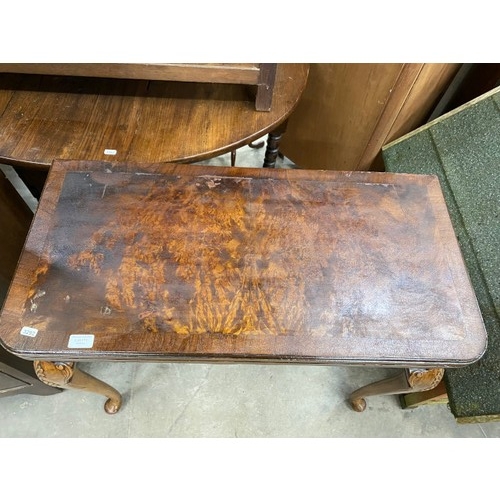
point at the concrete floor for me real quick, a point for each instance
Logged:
(226, 400)
(201, 400)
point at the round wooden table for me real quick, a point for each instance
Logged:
(47, 117)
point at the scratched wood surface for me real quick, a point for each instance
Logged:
(174, 262)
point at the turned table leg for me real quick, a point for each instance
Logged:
(251, 145)
(272, 148)
(66, 375)
(409, 380)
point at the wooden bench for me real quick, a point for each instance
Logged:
(164, 262)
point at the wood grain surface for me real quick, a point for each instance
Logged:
(204, 72)
(15, 220)
(173, 262)
(43, 118)
(347, 112)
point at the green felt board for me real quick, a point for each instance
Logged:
(463, 149)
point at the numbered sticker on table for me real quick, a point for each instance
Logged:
(28, 331)
(81, 341)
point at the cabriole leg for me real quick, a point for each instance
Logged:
(409, 380)
(66, 375)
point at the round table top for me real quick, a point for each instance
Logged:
(47, 117)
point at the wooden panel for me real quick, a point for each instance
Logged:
(15, 219)
(337, 113)
(398, 95)
(427, 88)
(425, 85)
(182, 262)
(349, 111)
(244, 73)
(261, 75)
(434, 396)
(6, 94)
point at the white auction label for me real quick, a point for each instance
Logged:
(81, 341)
(111, 152)
(28, 331)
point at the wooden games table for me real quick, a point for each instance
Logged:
(173, 263)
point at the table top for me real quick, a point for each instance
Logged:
(43, 118)
(173, 262)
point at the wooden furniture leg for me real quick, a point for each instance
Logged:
(409, 380)
(66, 375)
(272, 148)
(258, 145)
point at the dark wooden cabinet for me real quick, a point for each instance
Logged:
(18, 376)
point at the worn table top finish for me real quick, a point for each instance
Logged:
(43, 118)
(170, 262)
